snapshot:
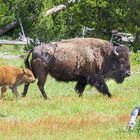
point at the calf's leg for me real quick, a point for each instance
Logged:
(14, 90)
(3, 91)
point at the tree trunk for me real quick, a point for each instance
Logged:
(8, 27)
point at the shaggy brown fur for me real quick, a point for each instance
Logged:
(12, 77)
(85, 60)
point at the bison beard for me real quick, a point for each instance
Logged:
(85, 60)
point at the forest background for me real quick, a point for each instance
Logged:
(88, 18)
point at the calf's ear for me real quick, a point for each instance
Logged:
(24, 70)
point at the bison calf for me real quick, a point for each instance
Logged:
(12, 77)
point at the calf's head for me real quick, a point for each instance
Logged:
(28, 76)
(120, 63)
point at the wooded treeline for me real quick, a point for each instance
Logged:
(89, 18)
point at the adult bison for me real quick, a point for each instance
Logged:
(85, 60)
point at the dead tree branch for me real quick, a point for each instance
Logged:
(54, 10)
(13, 42)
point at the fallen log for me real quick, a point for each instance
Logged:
(54, 10)
(8, 27)
(13, 42)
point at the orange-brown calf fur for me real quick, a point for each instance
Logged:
(12, 77)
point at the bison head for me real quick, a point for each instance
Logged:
(120, 63)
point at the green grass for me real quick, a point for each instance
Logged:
(11, 49)
(66, 116)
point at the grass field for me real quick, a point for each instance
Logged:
(66, 116)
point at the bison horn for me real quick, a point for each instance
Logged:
(115, 51)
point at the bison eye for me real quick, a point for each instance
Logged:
(122, 61)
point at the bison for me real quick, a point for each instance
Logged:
(12, 77)
(85, 60)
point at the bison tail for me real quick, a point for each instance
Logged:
(26, 61)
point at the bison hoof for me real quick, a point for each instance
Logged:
(23, 95)
(80, 95)
(46, 98)
(109, 96)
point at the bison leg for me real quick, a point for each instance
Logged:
(26, 86)
(14, 90)
(40, 72)
(3, 91)
(41, 83)
(80, 86)
(100, 85)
